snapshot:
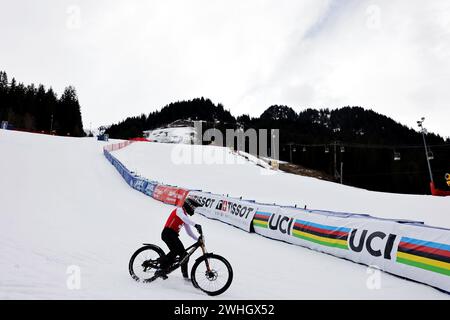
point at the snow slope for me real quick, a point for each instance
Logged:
(172, 135)
(62, 204)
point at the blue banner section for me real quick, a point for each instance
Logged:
(128, 176)
(138, 183)
(145, 186)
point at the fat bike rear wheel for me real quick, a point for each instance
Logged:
(144, 263)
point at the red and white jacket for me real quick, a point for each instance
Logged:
(177, 219)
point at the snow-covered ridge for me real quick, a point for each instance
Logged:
(254, 159)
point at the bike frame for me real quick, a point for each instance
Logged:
(190, 251)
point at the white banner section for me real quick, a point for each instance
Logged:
(410, 250)
(234, 211)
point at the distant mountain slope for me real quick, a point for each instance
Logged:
(196, 109)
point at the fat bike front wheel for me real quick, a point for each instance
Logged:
(212, 274)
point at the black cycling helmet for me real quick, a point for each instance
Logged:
(190, 204)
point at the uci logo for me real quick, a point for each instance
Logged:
(281, 223)
(366, 240)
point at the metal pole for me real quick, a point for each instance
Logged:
(290, 152)
(51, 124)
(334, 164)
(342, 172)
(426, 155)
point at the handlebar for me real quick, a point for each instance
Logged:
(199, 229)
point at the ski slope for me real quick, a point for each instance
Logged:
(63, 204)
(172, 135)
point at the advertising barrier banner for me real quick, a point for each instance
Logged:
(236, 212)
(150, 188)
(145, 186)
(124, 172)
(410, 250)
(169, 194)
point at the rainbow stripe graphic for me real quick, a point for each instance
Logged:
(321, 234)
(431, 256)
(261, 219)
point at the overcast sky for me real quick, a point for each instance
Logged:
(131, 57)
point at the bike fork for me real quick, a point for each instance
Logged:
(208, 268)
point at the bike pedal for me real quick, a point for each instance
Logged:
(161, 274)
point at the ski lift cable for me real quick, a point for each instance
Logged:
(370, 146)
(392, 173)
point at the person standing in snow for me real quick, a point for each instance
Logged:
(170, 235)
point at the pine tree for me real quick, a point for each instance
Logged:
(69, 113)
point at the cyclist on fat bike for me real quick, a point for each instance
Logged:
(170, 235)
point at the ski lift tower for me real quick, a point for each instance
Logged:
(428, 154)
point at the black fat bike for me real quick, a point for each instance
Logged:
(210, 273)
